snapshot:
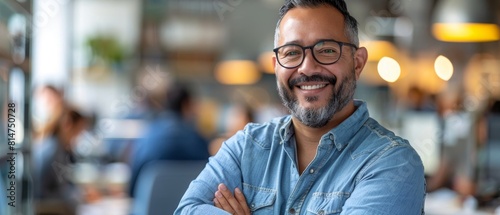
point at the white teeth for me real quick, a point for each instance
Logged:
(312, 87)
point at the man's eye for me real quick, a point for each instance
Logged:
(292, 53)
(328, 51)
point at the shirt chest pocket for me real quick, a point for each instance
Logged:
(260, 200)
(327, 203)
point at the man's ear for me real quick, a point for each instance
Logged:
(360, 58)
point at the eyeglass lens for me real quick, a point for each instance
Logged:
(325, 52)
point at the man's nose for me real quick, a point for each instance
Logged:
(309, 65)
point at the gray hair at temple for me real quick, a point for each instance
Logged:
(351, 25)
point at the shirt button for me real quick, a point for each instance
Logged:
(321, 212)
(331, 136)
(311, 170)
(291, 211)
(252, 206)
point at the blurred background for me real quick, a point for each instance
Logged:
(100, 87)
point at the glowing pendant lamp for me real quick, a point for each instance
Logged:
(237, 72)
(465, 21)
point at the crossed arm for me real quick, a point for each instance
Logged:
(234, 204)
(392, 185)
(402, 182)
(206, 191)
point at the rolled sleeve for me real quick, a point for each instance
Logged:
(224, 167)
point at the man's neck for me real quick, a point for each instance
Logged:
(307, 138)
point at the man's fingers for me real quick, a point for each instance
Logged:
(233, 202)
(217, 203)
(241, 199)
(223, 203)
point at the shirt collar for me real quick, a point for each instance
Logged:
(286, 130)
(342, 134)
(345, 131)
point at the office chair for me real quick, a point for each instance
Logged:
(161, 185)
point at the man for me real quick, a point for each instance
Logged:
(329, 156)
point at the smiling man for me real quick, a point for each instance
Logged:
(329, 156)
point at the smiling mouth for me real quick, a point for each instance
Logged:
(312, 87)
(313, 82)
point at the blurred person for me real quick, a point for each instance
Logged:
(488, 189)
(239, 115)
(53, 160)
(48, 107)
(171, 135)
(419, 100)
(457, 167)
(329, 156)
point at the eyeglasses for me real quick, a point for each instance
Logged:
(325, 52)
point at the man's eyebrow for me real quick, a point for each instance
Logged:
(299, 42)
(293, 42)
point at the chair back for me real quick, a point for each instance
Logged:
(161, 185)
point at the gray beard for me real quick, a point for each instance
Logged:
(319, 117)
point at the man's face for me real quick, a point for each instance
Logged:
(314, 92)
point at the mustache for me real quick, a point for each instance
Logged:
(303, 78)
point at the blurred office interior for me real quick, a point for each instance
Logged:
(433, 77)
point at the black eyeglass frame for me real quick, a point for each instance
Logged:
(341, 44)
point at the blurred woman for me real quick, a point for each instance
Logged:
(48, 107)
(53, 161)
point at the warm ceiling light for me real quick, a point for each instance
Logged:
(465, 21)
(237, 72)
(443, 67)
(378, 49)
(462, 32)
(389, 69)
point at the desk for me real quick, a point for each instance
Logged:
(103, 189)
(106, 206)
(445, 202)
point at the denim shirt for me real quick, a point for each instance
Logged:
(359, 168)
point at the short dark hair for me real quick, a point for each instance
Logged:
(178, 95)
(351, 24)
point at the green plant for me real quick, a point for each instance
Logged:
(105, 48)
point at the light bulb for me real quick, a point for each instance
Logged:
(443, 67)
(389, 69)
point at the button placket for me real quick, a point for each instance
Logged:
(311, 171)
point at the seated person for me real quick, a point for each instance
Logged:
(53, 160)
(171, 136)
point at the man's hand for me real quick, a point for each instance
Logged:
(236, 205)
